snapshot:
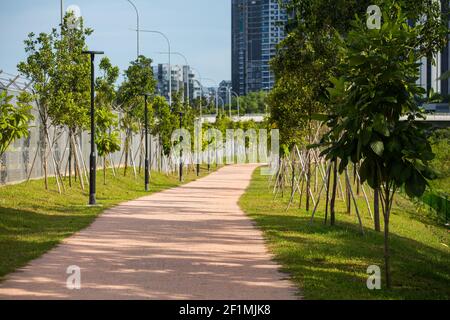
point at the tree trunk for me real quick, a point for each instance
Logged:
(347, 193)
(387, 262)
(293, 177)
(104, 170)
(333, 195)
(328, 195)
(45, 162)
(126, 155)
(308, 180)
(355, 175)
(376, 209)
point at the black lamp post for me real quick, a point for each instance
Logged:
(147, 169)
(199, 151)
(181, 147)
(92, 158)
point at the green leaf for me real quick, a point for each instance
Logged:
(416, 185)
(377, 147)
(320, 117)
(380, 125)
(357, 60)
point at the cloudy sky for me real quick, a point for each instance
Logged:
(200, 29)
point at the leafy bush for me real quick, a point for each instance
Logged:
(13, 119)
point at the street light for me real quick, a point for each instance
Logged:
(201, 114)
(169, 54)
(181, 146)
(237, 100)
(201, 97)
(223, 104)
(147, 169)
(266, 90)
(137, 25)
(92, 158)
(62, 13)
(229, 100)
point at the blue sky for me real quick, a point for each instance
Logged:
(200, 29)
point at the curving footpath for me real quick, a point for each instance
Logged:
(190, 242)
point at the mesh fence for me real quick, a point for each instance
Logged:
(25, 157)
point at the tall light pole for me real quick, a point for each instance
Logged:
(223, 104)
(181, 147)
(137, 26)
(237, 100)
(266, 90)
(62, 12)
(200, 119)
(92, 158)
(169, 54)
(229, 100)
(147, 169)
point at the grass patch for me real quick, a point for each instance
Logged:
(331, 262)
(33, 220)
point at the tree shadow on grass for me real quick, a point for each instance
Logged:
(26, 235)
(331, 262)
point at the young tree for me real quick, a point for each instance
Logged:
(39, 68)
(166, 122)
(376, 112)
(69, 106)
(70, 81)
(307, 58)
(14, 120)
(138, 81)
(107, 136)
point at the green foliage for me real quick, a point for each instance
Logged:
(13, 119)
(130, 96)
(105, 84)
(253, 102)
(440, 141)
(39, 67)
(107, 137)
(166, 122)
(378, 87)
(70, 79)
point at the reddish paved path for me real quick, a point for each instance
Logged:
(191, 242)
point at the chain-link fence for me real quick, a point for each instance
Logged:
(25, 157)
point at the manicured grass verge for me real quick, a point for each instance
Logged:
(33, 220)
(331, 262)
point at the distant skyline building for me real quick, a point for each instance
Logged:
(223, 91)
(257, 28)
(182, 77)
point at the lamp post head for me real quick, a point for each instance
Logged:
(92, 52)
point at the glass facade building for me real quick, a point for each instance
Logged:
(257, 27)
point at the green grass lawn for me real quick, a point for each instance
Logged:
(331, 262)
(33, 220)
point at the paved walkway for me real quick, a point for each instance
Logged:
(190, 242)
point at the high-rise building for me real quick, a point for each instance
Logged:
(257, 28)
(182, 77)
(431, 70)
